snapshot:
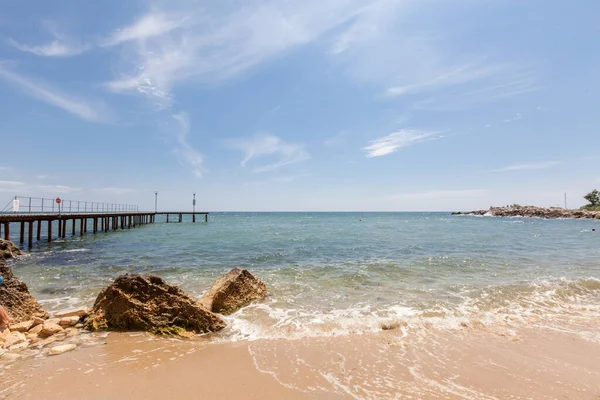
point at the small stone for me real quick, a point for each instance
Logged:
(14, 338)
(63, 348)
(46, 341)
(79, 326)
(50, 328)
(391, 326)
(53, 320)
(36, 329)
(37, 321)
(4, 332)
(10, 356)
(71, 332)
(32, 337)
(20, 346)
(69, 321)
(22, 326)
(78, 312)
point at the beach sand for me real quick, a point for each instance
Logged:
(471, 363)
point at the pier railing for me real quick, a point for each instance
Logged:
(39, 205)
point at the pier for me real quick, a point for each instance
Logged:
(72, 218)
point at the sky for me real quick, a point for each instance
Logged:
(312, 105)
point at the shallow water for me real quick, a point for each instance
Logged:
(337, 273)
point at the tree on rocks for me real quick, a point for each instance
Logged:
(593, 198)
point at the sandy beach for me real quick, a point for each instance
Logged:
(472, 363)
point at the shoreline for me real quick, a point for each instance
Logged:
(470, 363)
(533, 212)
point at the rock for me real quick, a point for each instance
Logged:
(10, 357)
(15, 297)
(63, 348)
(4, 332)
(78, 312)
(9, 249)
(533, 212)
(148, 303)
(71, 332)
(19, 346)
(22, 326)
(50, 328)
(53, 320)
(32, 337)
(232, 291)
(37, 321)
(69, 321)
(13, 338)
(36, 329)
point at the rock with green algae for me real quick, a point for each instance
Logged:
(147, 303)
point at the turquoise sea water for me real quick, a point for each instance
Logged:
(336, 273)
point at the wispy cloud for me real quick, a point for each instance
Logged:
(187, 155)
(116, 191)
(97, 112)
(149, 25)
(11, 186)
(395, 141)
(438, 194)
(56, 48)
(337, 140)
(277, 180)
(57, 188)
(280, 152)
(526, 167)
(219, 44)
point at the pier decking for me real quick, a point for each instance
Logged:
(76, 215)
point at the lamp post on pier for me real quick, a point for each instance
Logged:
(194, 204)
(155, 201)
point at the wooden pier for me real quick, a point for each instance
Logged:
(78, 223)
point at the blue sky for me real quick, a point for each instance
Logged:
(301, 105)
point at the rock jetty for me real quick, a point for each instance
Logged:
(534, 212)
(147, 303)
(232, 291)
(9, 250)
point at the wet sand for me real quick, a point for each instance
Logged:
(428, 364)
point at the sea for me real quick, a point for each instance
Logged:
(332, 274)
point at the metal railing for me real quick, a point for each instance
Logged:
(39, 205)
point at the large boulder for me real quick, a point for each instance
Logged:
(15, 297)
(9, 250)
(232, 291)
(148, 303)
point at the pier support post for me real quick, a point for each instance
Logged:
(193, 217)
(81, 227)
(85, 225)
(59, 228)
(49, 230)
(22, 236)
(39, 230)
(30, 234)
(7, 230)
(95, 225)
(205, 217)
(167, 218)
(73, 227)
(64, 228)
(180, 217)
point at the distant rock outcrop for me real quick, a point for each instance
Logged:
(535, 212)
(148, 303)
(15, 297)
(232, 291)
(9, 250)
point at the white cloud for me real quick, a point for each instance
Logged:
(188, 156)
(219, 45)
(439, 194)
(150, 25)
(57, 188)
(526, 167)
(55, 48)
(117, 191)
(280, 152)
(96, 112)
(394, 141)
(337, 140)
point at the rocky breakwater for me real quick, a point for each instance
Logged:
(533, 212)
